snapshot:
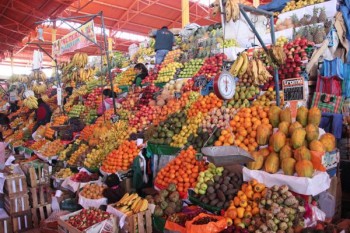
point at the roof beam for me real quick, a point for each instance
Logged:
(127, 16)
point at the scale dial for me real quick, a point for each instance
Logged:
(225, 86)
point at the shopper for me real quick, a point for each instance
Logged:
(4, 125)
(43, 114)
(107, 102)
(141, 74)
(164, 43)
(68, 93)
(13, 107)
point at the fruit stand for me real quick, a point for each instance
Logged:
(200, 147)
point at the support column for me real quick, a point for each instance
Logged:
(53, 38)
(110, 45)
(11, 58)
(185, 7)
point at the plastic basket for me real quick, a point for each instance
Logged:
(208, 88)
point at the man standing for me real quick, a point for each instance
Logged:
(164, 43)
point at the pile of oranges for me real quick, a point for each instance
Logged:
(243, 126)
(121, 158)
(182, 171)
(204, 104)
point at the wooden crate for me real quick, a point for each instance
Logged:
(64, 227)
(40, 195)
(15, 185)
(5, 222)
(139, 223)
(17, 203)
(37, 173)
(22, 222)
(41, 213)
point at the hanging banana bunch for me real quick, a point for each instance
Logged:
(39, 89)
(278, 55)
(86, 75)
(232, 11)
(80, 60)
(45, 98)
(31, 102)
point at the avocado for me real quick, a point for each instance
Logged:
(170, 134)
(162, 135)
(168, 141)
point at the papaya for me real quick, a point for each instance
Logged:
(298, 138)
(284, 127)
(294, 126)
(314, 116)
(274, 116)
(263, 133)
(258, 163)
(277, 141)
(286, 115)
(304, 168)
(328, 141)
(302, 153)
(317, 145)
(288, 166)
(312, 132)
(272, 163)
(302, 113)
(286, 152)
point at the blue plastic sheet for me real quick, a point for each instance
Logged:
(275, 5)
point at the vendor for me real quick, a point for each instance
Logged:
(141, 74)
(68, 93)
(42, 114)
(164, 43)
(13, 107)
(4, 125)
(107, 102)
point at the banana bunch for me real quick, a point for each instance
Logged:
(256, 73)
(86, 75)
(232, 10)
(45, 98)
(31, 102)
(39, 89)
(239, 67)
(23, 79)
(80, 60)
(132, 204)
(278, 55)
(81, 91)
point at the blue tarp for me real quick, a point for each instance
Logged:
(275, 5)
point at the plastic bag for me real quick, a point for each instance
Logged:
(316, 159)
(174, 227)
(211, 227)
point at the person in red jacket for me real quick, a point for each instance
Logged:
(43, 114)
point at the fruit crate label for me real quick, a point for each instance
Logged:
(115, 118)
(177, 95)
(200, 81)
(293, 89)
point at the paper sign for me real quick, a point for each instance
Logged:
(293, 89)
(59, 96)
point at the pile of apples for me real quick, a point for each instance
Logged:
(130, 102)
(147, 94)
(297, 58)
(143, 117)
(84, 177)
(121, 158)
(167, 72)
(212, 66)
(94, 98)
(152, 75)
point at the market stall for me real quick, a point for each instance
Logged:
(219, 137)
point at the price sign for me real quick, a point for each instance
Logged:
(293, 89)
(115, 118)
(177, 95)
(200, 81)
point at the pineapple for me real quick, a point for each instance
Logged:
(328, 25)
(305, 20)
(314, 18)
(319, 35)
(309, 33)
(322, 17)
(295, 20)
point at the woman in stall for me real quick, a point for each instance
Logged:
(141, 74)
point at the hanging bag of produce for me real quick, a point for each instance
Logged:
(206, 223)
(328, 103)
(329, 85)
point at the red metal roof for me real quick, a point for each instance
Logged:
(17, 20)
